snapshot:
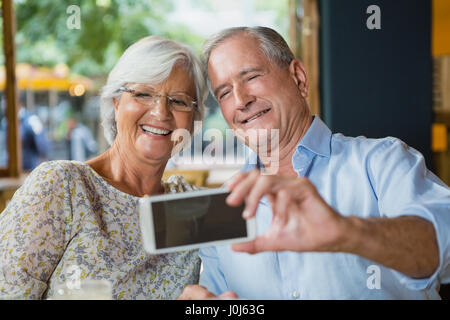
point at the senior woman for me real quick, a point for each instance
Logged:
(82, 217)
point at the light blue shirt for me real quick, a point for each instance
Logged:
(357, 177)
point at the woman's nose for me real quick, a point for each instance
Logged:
(160, 108)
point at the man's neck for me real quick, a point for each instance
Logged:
(286, 151)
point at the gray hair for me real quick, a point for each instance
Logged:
(271, 43)
(150, 60)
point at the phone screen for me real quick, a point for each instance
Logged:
(193, 220)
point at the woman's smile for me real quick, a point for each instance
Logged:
(156, 132)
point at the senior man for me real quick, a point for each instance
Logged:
(342, 218)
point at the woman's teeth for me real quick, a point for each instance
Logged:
(155, 131)
(256, 116)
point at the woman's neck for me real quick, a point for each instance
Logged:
(129, 174)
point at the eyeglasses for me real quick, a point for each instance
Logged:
(147, 96)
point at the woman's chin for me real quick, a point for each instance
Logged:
(154, 151)
(155, 156)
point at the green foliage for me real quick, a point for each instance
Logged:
(281, 7)
(108, 27)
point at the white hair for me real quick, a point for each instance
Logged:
(150, 60)
(271, 43)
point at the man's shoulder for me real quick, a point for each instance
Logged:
(363, 144)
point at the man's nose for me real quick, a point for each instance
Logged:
(242, 97)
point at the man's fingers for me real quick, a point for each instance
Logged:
(259, 188)
(248, 247)
(195, 292)
(257, 245)
(228, 295)
(235, 180)
(242, 188)
(284, 199)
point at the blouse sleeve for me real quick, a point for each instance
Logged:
(35, 228)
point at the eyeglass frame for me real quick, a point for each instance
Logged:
(132, 91)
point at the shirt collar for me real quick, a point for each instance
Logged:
(317, 139)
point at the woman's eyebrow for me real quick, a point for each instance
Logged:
(155, 91)
(144, 88)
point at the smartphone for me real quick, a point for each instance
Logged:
(191, 220)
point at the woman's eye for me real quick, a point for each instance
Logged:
(142, 95)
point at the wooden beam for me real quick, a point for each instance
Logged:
(310, 52)
(14, 145)
(304, 43)
(294, 34)
(442, 116)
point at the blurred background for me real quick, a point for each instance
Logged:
(372, 74)
(60, 69)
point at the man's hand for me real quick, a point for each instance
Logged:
(302, 220)
(197, 292)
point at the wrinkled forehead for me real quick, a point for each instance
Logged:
(238, 44)
(232, 56)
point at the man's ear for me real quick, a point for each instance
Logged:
(298, 74)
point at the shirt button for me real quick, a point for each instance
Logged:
(295, 294)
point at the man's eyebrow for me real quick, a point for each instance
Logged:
(241, 74)
(219, 88)
(249, 70)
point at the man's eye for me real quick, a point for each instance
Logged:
(223, 95)
(179, 102)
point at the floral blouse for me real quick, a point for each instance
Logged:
(66, 216)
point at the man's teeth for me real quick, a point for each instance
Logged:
(256, 116)
(152, 130)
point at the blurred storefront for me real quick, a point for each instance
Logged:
(54, 95)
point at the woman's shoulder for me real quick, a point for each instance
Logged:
(49, 170)
(177, 183)
(55, 172)
(58, 168)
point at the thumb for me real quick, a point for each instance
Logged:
(228, 295)
(254, 246)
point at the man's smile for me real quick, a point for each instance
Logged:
(255, 116)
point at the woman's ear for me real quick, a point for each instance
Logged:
(298, 74)
(116, 106)
(116, 103)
